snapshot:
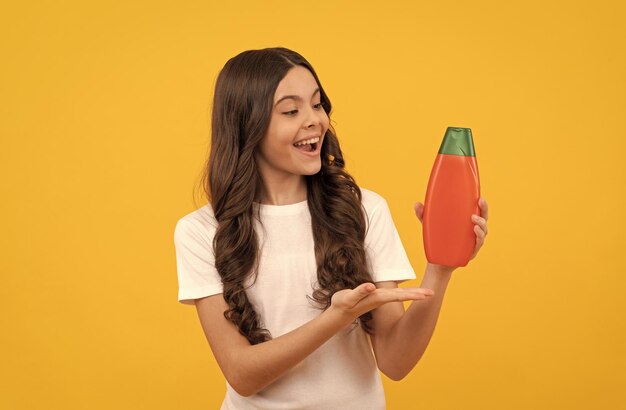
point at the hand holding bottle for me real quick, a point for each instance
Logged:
(480, 228)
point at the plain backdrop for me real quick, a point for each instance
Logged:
(105, 122)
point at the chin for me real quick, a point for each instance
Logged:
(313, 170)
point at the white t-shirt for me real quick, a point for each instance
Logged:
(340, 374)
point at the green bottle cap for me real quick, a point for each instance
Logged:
(458, 141)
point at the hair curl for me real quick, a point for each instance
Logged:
(242, 105)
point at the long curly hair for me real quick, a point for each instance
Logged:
(241, 112)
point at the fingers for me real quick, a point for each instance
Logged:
(419, 210)
(480, 229)
(479, 243)
(386, 295)
(482, 224)
(480, 233)
(482, 219)
(484, 209)
(360, 292)
(480, 238)
(365, 297)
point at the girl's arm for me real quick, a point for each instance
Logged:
(250, 368)
(402, 337)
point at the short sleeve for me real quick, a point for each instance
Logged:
(387, 256)
(195, 262)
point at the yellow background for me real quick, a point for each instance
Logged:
(105, 127)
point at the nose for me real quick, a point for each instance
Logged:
(313, 119)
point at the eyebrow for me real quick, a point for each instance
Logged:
(295, 97)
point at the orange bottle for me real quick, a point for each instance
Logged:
(451, 199)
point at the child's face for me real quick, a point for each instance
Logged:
(293, 120)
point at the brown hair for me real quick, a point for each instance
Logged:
(242, 105)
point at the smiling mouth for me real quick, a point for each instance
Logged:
(307, 147)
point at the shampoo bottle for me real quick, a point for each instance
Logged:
(451, 199)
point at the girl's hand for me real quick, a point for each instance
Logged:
(481, 225)
(352, 303)
(480, 228)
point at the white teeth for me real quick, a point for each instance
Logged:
(311, 141)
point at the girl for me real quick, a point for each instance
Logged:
(292, 267)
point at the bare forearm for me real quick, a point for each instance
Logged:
(261, 364)
(409, 337)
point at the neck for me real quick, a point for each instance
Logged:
(284, 191)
